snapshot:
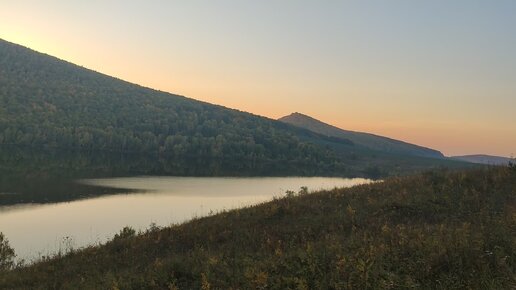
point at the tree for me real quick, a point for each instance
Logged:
(6, 254)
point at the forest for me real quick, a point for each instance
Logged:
(49, 103)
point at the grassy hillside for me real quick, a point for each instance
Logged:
(437, 230)
(367, 140)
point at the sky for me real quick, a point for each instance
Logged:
(436, 73)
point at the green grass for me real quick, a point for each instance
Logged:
(437, 230)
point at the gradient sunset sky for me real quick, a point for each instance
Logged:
(436, 73)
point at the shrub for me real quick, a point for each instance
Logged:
(6, 254)
(125, 233)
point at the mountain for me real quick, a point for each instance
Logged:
(484, 159)
(370, 141)
(47, 102)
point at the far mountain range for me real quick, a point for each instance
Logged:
(367, 140)
(484, 159)
(384, 144)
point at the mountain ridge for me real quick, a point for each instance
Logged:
(372, 141)
(484, 159)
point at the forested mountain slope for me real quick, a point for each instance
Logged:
(370, 141)
(47, 102)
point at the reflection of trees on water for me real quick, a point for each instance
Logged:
(28, 175)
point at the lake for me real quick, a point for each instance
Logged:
(34, 230)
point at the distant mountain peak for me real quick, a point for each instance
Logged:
(297, 115)
(371, 141)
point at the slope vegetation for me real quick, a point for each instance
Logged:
(48, 102)
(437, 230)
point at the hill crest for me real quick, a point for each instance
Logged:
(371, 141)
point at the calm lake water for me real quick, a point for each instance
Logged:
(35, 230)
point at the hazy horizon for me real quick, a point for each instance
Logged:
(441, 75)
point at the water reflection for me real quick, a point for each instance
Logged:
(43, 209)
(219, 186)
(35, 230)
(48, 175)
